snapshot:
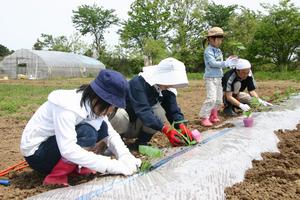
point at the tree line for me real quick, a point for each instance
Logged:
(156, 29)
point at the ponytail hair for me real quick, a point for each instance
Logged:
(204, 42)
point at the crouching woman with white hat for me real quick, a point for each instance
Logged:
(151, 104)
(57, 139)
(234, 82)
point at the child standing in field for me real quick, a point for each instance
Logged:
(213, 59)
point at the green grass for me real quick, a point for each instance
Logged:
(20, 98)
(288, 75)
(195, 76)
(260, 75)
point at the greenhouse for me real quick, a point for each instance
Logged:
(40, 64)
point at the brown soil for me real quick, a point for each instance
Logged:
(285, 180)
(277, 176)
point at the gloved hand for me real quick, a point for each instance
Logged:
(131, 162)
(264, 103)
(231, 61)
(185, 131)
(171, 133)
(119, 167)
(244, 107)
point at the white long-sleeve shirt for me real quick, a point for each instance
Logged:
(59, 116)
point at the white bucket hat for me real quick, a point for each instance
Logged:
(242, 64)
(169, 71)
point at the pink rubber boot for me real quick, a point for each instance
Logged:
(205, 122)
(85, 171)
(214, 116)
(59, 174)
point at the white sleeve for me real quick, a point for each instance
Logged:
(114, 141)
(66, 137)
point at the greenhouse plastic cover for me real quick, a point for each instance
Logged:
(198, 172)
(57, 58)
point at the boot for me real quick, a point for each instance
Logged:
(143, 138)
(205, 122)
(214, 118)
(85, 171)
(229, 111)
(60, 172)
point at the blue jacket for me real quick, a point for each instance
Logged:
(213, 59)
(143, 96)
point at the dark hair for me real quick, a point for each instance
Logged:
(205, 41)
(91, 98)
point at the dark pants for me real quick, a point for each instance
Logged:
(48, 154)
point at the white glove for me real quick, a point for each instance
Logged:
(264, 103)
(231, 62)
(131, 162)
(244, 107)
(118, 167)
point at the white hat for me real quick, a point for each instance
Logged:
(168, 72)
(242, 64)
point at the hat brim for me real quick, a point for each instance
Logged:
(111, 99)
(177, 79)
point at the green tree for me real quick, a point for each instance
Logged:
(94, 20)
(187, 20)
(278, 34)
(148, 20)
(4, 51)
(242, 27)
(61, 43)
(218, 15)
(48, 42)
(155, 50)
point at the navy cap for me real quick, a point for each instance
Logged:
(112, 87)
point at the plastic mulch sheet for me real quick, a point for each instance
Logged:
(198, 172)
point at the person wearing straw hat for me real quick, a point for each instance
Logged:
(152, 103)
(59, 137)
(234, 82)
(214, 64)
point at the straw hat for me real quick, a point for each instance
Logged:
(215, 31)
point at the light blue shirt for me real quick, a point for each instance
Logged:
(213, 59)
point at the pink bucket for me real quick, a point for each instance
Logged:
(196, 135)
(248, 121)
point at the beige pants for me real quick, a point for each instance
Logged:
(214, 94)
(245, 98)
(122, 125)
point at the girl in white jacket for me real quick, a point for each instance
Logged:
(57, 138)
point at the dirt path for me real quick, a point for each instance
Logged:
(27, 183)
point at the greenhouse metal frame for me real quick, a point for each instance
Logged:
(41, 64)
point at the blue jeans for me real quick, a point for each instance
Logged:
(47, 155)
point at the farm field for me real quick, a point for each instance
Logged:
(20, 98)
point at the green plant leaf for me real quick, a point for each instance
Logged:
(145, 166)
(152, 152)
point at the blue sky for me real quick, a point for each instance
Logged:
(23, 21)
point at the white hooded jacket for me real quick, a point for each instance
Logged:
(59, 116)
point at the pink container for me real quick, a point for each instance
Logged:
(248, 121)
(196, 135)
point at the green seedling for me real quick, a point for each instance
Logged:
(149, 151)
(247, 113)
(145, 166)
